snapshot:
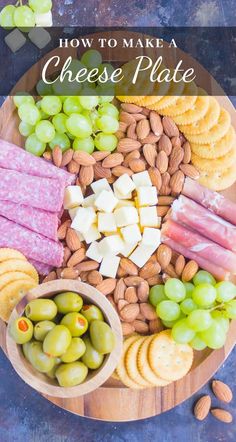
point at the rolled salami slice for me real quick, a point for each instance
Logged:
(31, 244)
(34, 191)
(40, 221)
(218, 272)
(214, 201)
(200, 245)
(14, 158)
(186, 211)
(42, 269)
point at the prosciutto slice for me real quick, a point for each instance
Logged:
(188, 212)
(200, 245)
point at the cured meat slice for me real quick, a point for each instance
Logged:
(214, 201)
(188, 212)
(31, 244)
(218, 272)
(14, 158)
(40, 221)
(34, 191)
(42, 269)
(200, 245)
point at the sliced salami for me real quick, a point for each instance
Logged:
(42, 269)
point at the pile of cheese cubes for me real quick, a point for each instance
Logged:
(120, 221)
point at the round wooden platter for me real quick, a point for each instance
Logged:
(113, 401)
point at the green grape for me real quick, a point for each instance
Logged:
(43, 116)
(203, 277)
(199, 320)
(86, 144)
(187, 306)
(79, 126)
(24, 18)
(175, 290)
(45, 131)
(92, 116)
(181, 332)
(219, 316)
(104, 98)
(105, 142)
(70, 136)
(107, 124)
(91, 59)
(157, 294)
(108, 109)
(22, 98)
(29, 113)
(25, 129)
(59, 122)
(214, 337)
(43, 88)
(40, 6)
(168, 310)
(72, 105)
(61, 140)
(65, 88)
(109, 68)
(189, 289)
(226, 291)
(34, 145)
(51, 105)
(7, 17)
(89, 102)
(75, 66)
(170, 324)
(197, 343)
(204, 295)
(230, 309)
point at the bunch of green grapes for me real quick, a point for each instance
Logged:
(83, 122)
(23, 16)
(198, 312)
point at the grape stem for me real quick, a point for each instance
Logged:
(219, 306)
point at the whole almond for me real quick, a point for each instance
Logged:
(101, 172)
(127, 118)
(86, 175)
(131, 108)
(143, 129)
(146, 111)
(83, 158)
(222, 391)
(72, 240)
(127, 328)
(189, 271)
(129, 312)
(107, 286)
(143, 291)
(119, 292)
(114, 159)
(139, 117)
(165, 200)
(179, 265)
(119, 135)
(95, 277)
(47, 155)
(121, 272)
(84, 276)
(177, 182)
(187, 153)
(66, 257)
(170, 128)
(150, 154)
(190, 171)
(164, 254)
(170, 270)
(87, 266)
(165, 188)
(162, 210)
(140, 327)
(135, 154)
(69, 273)
(133, 281)
(222, 415)
(131, 295)
(57, 156)
(67, 157)
(155, 123)
(176, 158)
(162, 162)
(131, 132)
(151, 139)
(121, 303)
(76, 258)
(149, 270)
(61, 233)
(165, 144)
(120, 170)
(148, 311)
(155, 326)
(100, 155)
(155, 177)
(176, 142)
(202, 407)
(129, 267)
(111, 179)
(127, 145)
(73, 167)
(50, 277)
(123, 126)
(154, 280)
(137, 165)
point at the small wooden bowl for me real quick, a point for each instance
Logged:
(40, 381)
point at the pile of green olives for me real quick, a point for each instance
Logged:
(63, 338)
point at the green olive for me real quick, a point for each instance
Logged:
(91, 358)
(102, 337)
(69, 375)
(92, 312)
(68, 302)
(57, 341)
(52, 373)
(25, 349)
(21, 330)
(41, 309)
(40, 361)
(75, 350)
(76, 323)
(42, 328)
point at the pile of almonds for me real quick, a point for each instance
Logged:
(203, 406)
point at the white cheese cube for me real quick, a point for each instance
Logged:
(72, 212)
(148, 217)
(100, 185)
(141, 255)
(128, 249)
(43, 20)
(89, 201)
(119, 195)
(151, 237)
(125, 203)
(83, 219)
(126, 216)
(142, 179)
(91, 210)
(111, 245)
(15, 40)
(93, 252)
(131, 234)
(39, 37)
(106, 222)
(92, 234)
(109, 266)
(106, 201)
(124, 184)
(73, 197)
(147, 196)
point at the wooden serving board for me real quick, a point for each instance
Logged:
(113, 401)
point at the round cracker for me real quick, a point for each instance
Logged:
(131, 363)
(128, 88)
(183, 103)
(7, 253)
(215, 133)
(121, 368)
(160, 90)
(218, 164)
(174, 92)
(144, 367)
(218, 180)
(19, 265)
(197, 111)
(217, 149)
(12, 294)
(209, 120)
(169, 360)
(8, 277)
